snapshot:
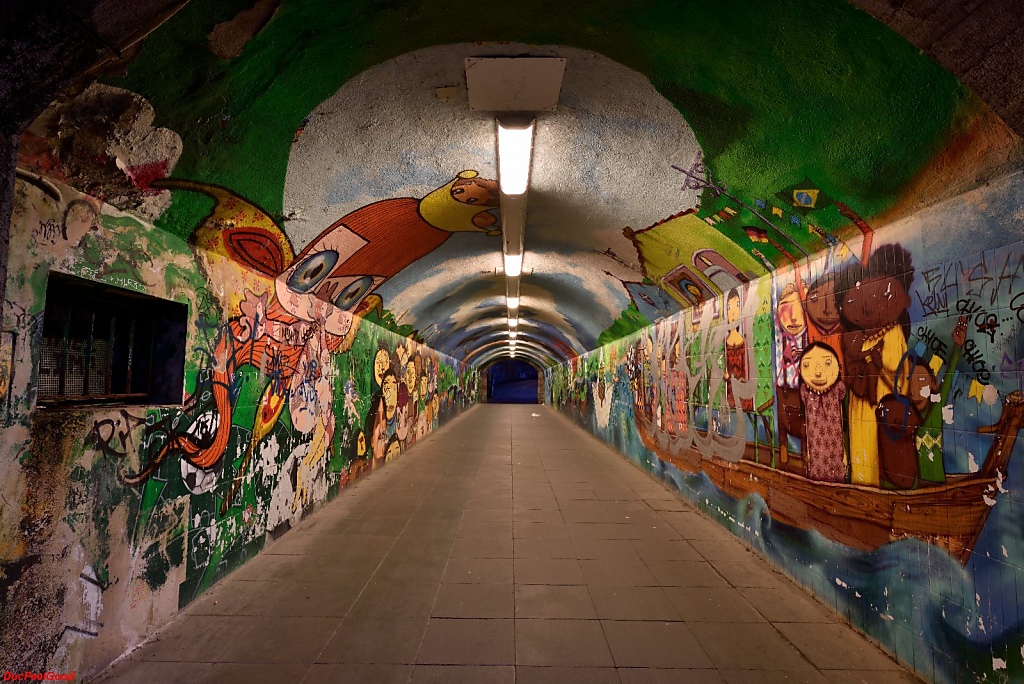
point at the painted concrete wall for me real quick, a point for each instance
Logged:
(854, 418)
(112, 518)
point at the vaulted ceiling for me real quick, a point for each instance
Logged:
(695, 146)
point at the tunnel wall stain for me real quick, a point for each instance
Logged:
(114, 517)
(854, 418)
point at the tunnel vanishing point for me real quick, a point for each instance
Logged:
(771, 253)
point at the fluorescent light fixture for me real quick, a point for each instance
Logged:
(513, 265)
(513, 334)
(513, 322)
(515, 143)
(513, 302)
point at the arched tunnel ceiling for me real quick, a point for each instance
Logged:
(316, 126)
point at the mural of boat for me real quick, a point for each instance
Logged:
(949, 515)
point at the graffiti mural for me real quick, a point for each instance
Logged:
(288, 398)
(854, 416)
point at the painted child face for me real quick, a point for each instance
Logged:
(732, 309)
(380, 435)
(875, 302)
(819, 369)
(921, 385)
(481, 191)
(791, 315)
(393, 449)
(410, 375)
(820, 305)
(381, 362)
(390, 391)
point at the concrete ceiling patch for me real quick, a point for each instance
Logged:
(514, 84)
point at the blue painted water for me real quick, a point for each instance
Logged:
(950, 622)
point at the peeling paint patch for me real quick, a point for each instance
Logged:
(228, 39)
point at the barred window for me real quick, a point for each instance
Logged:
(103, 344)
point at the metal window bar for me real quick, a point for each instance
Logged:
(62, 373)
(149, 363)
(98, 383)
(87, 370)
(131, 353)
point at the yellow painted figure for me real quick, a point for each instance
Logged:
(874, 308)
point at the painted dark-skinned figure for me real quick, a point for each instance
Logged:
(822, 310)
(874, 309)
(910, 420)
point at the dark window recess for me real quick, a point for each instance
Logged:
(105, 344)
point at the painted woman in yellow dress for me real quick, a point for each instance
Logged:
(874, 307)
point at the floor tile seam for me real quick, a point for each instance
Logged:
(512, 478)
(433, 604)
(728, 582)
(451, 460)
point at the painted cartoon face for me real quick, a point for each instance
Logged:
(402, 422)
(875, 302)
(479, 191)
(379, 438)
(381, 362)
(410, 375)
(921, 385)
(434, 405)
(311, 283)
(732, 309)
(819, 369)
(389, 389)
(791, 314)
(361, 444)
(423, 385)
(820, 305)
(393, 449)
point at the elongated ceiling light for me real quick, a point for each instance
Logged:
(513, 265)
(515, 89)
(515, 147)
(515, 151)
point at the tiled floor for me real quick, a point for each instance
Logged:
(508, 547)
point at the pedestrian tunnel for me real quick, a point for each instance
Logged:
(770, 256)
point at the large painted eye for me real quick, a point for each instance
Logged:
(312, 271)
(353, 293)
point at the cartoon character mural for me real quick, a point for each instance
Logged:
(895, 439)
(286, 401)
(319, 297)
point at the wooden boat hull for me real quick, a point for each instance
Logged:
(950, 516)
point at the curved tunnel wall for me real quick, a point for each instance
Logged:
(319, 122)
(131, 512)
(855, 419)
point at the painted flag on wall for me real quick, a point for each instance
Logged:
(804, 197)
(756, 234)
